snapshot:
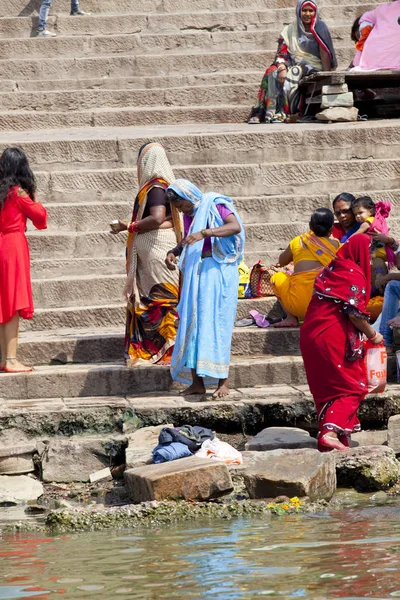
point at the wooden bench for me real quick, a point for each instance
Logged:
(385, 104)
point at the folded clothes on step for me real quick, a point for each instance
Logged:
(173, 451)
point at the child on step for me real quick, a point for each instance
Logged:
(373, 220)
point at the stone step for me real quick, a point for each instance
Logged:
(47, 268)
(75, 291)
(113, 315)
(89, 216)
(100, 345)
(88, 100)
(142, 64)
(126, 83)
(23, 9)
(197, 144)
(102, 380)
(183, 22)
(236, 180)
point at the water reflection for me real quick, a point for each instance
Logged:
(349, 554)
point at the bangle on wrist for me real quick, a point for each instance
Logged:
(132, 227)
(204, 233)
(371, 339)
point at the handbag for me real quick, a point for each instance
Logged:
(260, 279)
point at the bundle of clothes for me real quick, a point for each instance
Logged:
(188, 440)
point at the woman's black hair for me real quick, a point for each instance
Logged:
(15, 170)
(172, 196)
(365, 202)
(345, 197)
(321, 222)
(354, 29)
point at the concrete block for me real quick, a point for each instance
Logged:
(19, 489)
(140, 446)
(304, 472)
(340, 88)
(273, 438)
(338, 114)
(187, 478)
(393, 433)
(332, 100)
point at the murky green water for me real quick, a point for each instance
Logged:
(351, 553)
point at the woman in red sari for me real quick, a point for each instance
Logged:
(17, 204)
(331, 342)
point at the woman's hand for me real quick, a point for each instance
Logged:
(171, 261)
(395, 322)
(192, 239)
(117, 228)
(378, 339)
(282, 73)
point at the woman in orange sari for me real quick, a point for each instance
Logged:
(309, 253)
(151, 289)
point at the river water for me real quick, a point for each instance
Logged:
(349, 553)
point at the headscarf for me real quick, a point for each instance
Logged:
(318, 36)
(152, 163)
(348, 277)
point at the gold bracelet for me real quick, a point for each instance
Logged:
(204, 233)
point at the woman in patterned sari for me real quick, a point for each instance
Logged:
(309, 253)
(304, 46)
(209, 258)
(151, 288)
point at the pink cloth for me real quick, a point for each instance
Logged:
(187, 221)
(382, 47)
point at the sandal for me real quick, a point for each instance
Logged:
(254, 121)
(261, 320)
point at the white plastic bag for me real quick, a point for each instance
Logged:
(220, 451)
(376, 365)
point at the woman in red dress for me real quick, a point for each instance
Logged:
(17, 204)
(331, 344)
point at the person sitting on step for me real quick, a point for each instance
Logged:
(45, 6)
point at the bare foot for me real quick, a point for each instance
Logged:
(195, 388)
(331, 441)
(222, 391)
(14, 366)
(288, 322)
(164, 362)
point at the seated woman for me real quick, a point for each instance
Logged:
(381, 49)
(347, 224)
(210, 254)
(304, 46)
(309, 252)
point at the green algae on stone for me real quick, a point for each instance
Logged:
(368, 468)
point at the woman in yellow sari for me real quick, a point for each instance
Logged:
(309, 253)
(151, 289)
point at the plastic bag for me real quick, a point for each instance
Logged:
(244, 281)
(220, 451)
(376, 366)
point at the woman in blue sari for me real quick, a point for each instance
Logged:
(209, 257)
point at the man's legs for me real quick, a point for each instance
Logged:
(389, 311)
(44, 13)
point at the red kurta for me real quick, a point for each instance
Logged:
(15, 278)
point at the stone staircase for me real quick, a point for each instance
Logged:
(83, 103)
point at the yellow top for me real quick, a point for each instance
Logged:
(370, 220)
(310, 247)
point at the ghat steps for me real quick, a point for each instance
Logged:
(82, 104)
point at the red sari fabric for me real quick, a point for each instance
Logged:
(15, 279)
(331, 345)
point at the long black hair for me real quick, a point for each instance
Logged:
(344, 197)
(15, 170)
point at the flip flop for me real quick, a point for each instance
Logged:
(261, 320)
(246, 322)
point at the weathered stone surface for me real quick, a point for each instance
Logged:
(304, 472)
(16, 459)
(141, 444)
(273, 438)
(188, 478)
(332, 100)
(74, 459)
(338, 114)
(393, 433)
(367, 468)
(370, 438)
(19, 489)
(339, 88)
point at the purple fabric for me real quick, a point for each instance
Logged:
(187, 221)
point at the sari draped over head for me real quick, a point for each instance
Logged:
(331, 345)
(151, 289)
(208, 297)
